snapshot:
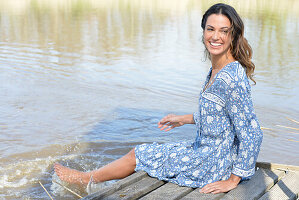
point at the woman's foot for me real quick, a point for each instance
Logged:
(71, 175)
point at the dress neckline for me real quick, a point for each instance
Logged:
(205, 86)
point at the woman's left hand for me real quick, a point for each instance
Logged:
(221, 186)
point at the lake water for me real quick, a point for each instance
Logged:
(83, 82)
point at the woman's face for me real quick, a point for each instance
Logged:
(217, 35)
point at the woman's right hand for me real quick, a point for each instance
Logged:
(171, 121)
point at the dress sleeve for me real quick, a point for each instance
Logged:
(247, 129)
(196, 118)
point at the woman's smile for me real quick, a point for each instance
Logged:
(213, 44)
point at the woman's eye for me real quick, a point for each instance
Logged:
(209, 29)
(224, 32)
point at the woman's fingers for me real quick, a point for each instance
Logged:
(169, 122)
(216, 191)
(163, 121)
(163, 127)
(166, 127)
(212, 188)
(208, 190)
(218, 187)
(160, 125)
(170, 127)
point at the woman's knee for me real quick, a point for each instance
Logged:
(131, 156)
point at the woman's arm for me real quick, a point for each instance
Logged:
(171, 121)
(247, 129)
(241, 113)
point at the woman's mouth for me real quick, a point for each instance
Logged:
(215, 44)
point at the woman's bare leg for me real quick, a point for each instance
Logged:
(118, 169)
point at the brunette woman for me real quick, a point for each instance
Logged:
(228, 136)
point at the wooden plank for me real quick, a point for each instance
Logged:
(272, 166)
(254, 188)
(117, 186)
(197, 195)
(136, 190)
(168, 191)
(286, 188)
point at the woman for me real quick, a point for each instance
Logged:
(228, 133)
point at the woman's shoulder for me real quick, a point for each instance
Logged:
(235, 70)
(234, 77)
(233, 73)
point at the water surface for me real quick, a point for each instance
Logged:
(83, 82)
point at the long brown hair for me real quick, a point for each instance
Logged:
(239, 47)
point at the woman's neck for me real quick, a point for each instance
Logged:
(218, 62)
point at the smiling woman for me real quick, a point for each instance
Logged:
(228, 135)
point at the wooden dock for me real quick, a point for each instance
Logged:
(271, 181)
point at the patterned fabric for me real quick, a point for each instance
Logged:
(228, 137)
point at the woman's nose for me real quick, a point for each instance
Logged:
(215, 35)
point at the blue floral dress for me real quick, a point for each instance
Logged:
(228, 137)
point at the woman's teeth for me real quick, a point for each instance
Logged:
(215, 44)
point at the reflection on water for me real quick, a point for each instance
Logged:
(83, 82)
